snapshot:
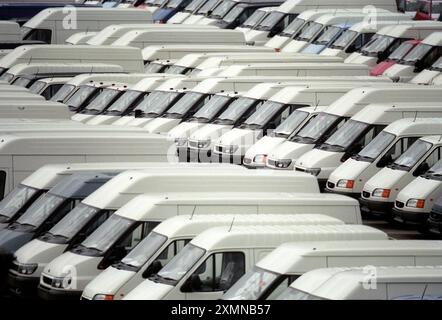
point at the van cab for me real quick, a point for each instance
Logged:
(385, 150)
(189, 276)
(48, 87)
(392, 283)
(353, 136)
(291, 260)
(416, 161)
(168, 239)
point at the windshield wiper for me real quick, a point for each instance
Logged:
(304, 140)
(199, 119)
(252, 126)
(330, 147)
(399, 167)
(173, 115)
(81, 249)
(358, 157)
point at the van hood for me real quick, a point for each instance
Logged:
(161, 125)
(244, 138)
(137, 122)
(102, 119)
(381, 67)
(400, 72)
(325, 160)
(122, 121)
(257, 36)
(294, 46)
(419, 188)
(81, 117)
(207, 21)
(184, 129)
(210, 131)
(40, 252)
(333, 53)
(290, 150)
(149, 290)
(352, 57)
(387, 178)
(350, 170)
(178, 17)
(263, 146)
(11, 240)
(425, 77)
(277, 42)
(193, 19)
(368, 61)
(107, 282)
(81, 268)
(313, 48)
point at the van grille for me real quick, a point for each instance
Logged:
(399, 204)
(299, 169)
(47, 280)
(366, 194)
(271, 162)
(193, 144)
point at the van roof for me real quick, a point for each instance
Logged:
(115, 193)
(80, 185)
(298, 6)
(434, 39)
(417, 30)
(192, 225)
(31, 68)
(437, 139)
(219, 238)
(151, 82)
(419, 126)
(364, 27)
(295, 256)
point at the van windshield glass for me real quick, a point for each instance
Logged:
(346, 135)
(103, 100)
(293, 28)
(106, 234)
(262, 115)
(410, 157)
(207, 6)
(344, 40)
(375, 147)
(253, 20)
(80, 96)
(40, 210)
(22, 82)
(64, 91)
(309, 32)
(174, 3)
(252, 285)
(233, 14)
(291, 123)
(400, 52)
(380, 44)
(176, 69)
(222, 9)
(144, 250)
(435, 173)
(191, 7)
(7, 77)
(437, 66)
(177, 268)
(154, 67)
(157, 102)
(328, 35)
(124, 101)
(234, 112)
(315, 129)
(294, 294)
(15, 200)
(270, 21)
(210, 109)
(416, 54)
(73, 222)
(37, 87)
(182, 106)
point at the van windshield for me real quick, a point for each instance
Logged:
(310, 31)
(253, 20)
(174, 3)
(72, 223)
(184, 105)
(178, 267)
(262, 115)
(154, 67)
(345, 136)
(293, 28)
(124, 102)
(105, 235)
(64, 91)
(400, 52)
(176, 69)
(22, 82)
(437, 66)
(144, 250)
(222, 9)
(375, 147)
(102, 100)
(316, 128)
(8, 77)
(344, 40)
(211, 109)
(294, 294)
(157, 102)
(233, 14)
(15, 200)
(252, 285)
(380, 44)
(289, 125)
(416, 54)
(270, 21)
(328, 35)
(37, 87)
(40, 210)
(435, 172)
(191, 7)
(80, 96)
(207, 7)
(410, 157)
(235, 111)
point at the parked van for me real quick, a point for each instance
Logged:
(386, 150)
(168, 239)
(144, 38)
(129, 58)
(416, 161)
(34, 109)
(392, 283)
(429, 75)
(354, 135)
(49, 24)
(190, 9)
(250, 244)
(291, 260)
(232, 145)
(279, 19)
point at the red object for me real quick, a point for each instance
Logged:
(379, 69)
(422, 16)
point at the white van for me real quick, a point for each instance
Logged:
(279, 19)
(144, 38)
(389, 38)
(290, 260)
(49, 25)
(34, 110)
(431, 75)
(190, 272)
(168, 239)
(421, 156)
(392, 283)
(129, 58)
(385, 150)
(232, 145)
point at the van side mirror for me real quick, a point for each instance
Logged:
(421, 169)
(152, 269)
(382, 55)
(138, 113)
(193, 283)
(419, 65)
(384, 161)
(209, 13)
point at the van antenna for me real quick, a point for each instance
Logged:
(440, 138)
(415, 116)
(231, 225)
(193, 212)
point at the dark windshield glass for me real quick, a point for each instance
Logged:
(124, 101)
(37, 87)
(40, 210)
(270, 21)
(175, 69)
(437, 66)
(64, 91)
(174, 3)
(375, 147)
(157, 102)
(103, 99)
(7, 77)
(235, 111)
(293, 28)
(22, 82)
(211, 108)
(435, 172)
(182, 106)
(154, 67)
(344, 40)
(191, 7)
(417, 53)
(144, 250)
(207, 6)
(233, 14)
(15, 200)
(294, 294)
(315, 129)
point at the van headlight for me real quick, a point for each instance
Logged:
(181, 142)
(26, 268)
(344, 183)
(260, 158)
(381, 193)
(231, 148)
(103, 297)
(203, 143)
(60, 283)
(416, 203)
(283, 163)
(313, 171)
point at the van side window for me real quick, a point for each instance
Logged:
(51, 90)
(59, 213)
(405, 291)
(168, 253)
(2, 183)
(283, 283)
(40, 35)
(219, 272)
(396, 150)
(430, 161)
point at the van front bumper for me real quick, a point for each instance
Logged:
(354, 195)
(46, 293)
(412, 218)
(21, 286)
(434, 223)
(376, 207)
